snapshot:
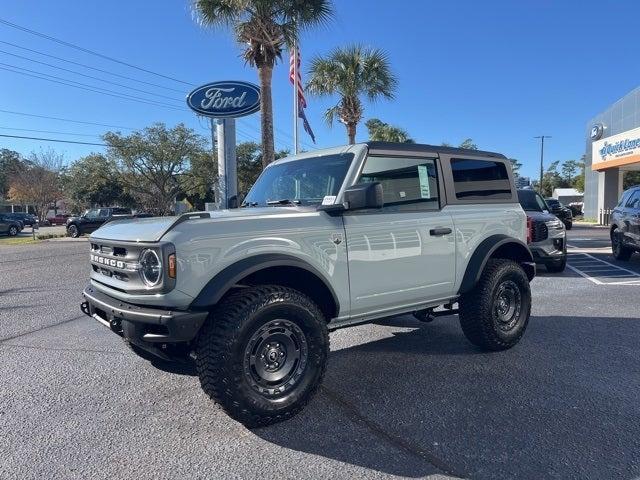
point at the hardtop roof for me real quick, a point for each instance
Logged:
(430, 148)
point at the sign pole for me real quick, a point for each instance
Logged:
(227, 171)
(296, 104)
(223, 102)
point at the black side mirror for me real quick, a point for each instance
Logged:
(363, 195)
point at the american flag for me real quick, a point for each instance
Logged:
(294, 70)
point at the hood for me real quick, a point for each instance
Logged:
(540, 216)
(152, 229)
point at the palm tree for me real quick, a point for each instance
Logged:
(384, 132)
(264, 27)
(351, 72)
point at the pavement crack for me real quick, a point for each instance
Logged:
(398, 442)
(60, 349)
(19, 335)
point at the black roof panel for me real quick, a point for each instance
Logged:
(430, 148)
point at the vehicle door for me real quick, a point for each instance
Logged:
(91, 220)
(631, 217)
(404, 253)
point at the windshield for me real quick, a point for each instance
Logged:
(300, 182)
(530, 200)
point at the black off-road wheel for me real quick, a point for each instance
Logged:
(13, 231)
(495, 314)
(262, 354)
(619, 250)
(73, 231)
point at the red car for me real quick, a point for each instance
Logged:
(60, 219)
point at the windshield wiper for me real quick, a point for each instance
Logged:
(283, 201)
(249, 204)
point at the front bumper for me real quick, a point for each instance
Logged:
(143, 326)
(549, 250)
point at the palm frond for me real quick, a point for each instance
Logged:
(331, 114)
(212, 13)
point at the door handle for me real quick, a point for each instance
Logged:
(438, 232)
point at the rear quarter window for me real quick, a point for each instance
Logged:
(480, 179)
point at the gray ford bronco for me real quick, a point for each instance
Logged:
(323, 240)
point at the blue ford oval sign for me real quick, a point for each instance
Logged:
(225, 99)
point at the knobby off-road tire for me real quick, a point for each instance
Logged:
(262, 354)
(618, 248)
(494, 315)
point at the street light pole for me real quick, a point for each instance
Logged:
(541, 137)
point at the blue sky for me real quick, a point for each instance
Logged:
(499, 72)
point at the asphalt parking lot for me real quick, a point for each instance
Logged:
(400, 398)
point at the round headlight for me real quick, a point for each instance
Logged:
(150, 268)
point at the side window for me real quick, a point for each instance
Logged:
(541, 203)
(408, 184)
(480, 179)
(634, 200)
(104, 212)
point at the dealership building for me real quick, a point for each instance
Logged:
(612, 148)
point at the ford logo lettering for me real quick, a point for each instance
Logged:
(225, 99)
(596, 131)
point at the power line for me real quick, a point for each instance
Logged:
(66, 120)
(86, 50)
(54, 140)
(88, 76)
(84, 86)
(51, 131)
(90, 67)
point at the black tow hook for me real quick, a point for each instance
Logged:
(84, 306)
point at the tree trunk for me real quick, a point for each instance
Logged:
(351, 132)
(266, 114)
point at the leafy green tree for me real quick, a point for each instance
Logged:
(515, 166)
(11, 162)
(151, 161)
(384, 132)
(468, 143)
(352, 73)
(197, 183)
(630, 179)
(264, 27)
(94, 180)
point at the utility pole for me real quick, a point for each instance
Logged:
(541, 137)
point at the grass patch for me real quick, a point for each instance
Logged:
(22, 240)
(16, 240)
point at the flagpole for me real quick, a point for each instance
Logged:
(295, 97)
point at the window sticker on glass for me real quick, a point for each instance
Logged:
(329, 200)
(423, 173)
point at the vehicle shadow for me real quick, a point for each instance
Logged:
(562, 404)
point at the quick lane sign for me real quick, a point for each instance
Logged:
(617, 150)
(228, 99)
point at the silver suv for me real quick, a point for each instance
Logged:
(323, 240)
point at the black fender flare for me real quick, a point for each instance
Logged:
(223, 281)
(485, 250)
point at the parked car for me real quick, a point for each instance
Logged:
(324, 240)
(93, 219)
(565, 214)
(546, 234)
(59, 219)
(9, 226)
(27, 219)
(625, 225)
